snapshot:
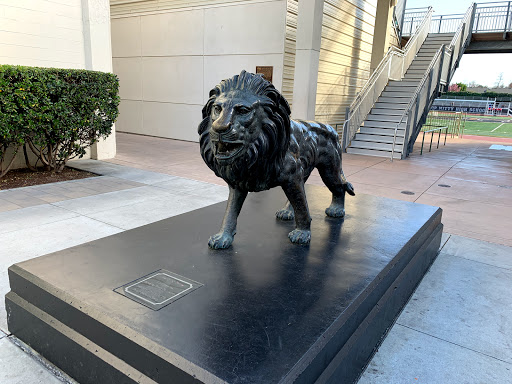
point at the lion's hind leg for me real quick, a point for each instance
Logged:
(338, 185)
(286, 213)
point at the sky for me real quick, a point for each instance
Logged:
(483, 69)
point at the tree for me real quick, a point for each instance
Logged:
(499, 81)
(462, 87)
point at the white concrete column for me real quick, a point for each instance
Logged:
(382, 31)
(307, 55)
(98, 57)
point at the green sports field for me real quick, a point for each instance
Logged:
(502, 128)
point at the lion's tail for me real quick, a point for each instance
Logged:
(349, 188)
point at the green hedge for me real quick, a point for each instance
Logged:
(506, 96)
(55, 113)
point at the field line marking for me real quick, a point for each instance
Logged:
(497, 127)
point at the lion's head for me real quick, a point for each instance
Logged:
(245, 131)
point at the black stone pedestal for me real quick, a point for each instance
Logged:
(155, 305)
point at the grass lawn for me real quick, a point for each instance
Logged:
(488, 129)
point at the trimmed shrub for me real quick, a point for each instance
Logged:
(492, 95)
(56, 113)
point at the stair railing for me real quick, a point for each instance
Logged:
(489, 17)
(459, 42)
(392, 67)
(437, 74)
(420, 101)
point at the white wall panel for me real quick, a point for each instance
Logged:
(184, 53)
(172, 34)
(130, 116)
(218, 68)
(175, 79)
(245, 29)
(129, 71)
(126, 38)
(178, 121)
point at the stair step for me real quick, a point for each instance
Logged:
(422, 65)
(440, 35)
(387, 111)
(439, 38)
(375, 146)
(430, 51)
(402, 83)
(409, 75)
(414, 76)
(398, 100)
(398, 93)
(382, 124)
(394, 91)
(411, 71)
(421, 61)
(423, 68)
(406, 86)
(384, 118)
(389, 105)
(369, 152)
(382, 131)
(432, 45)
(386, 139)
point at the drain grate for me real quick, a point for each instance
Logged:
(444, 185)
(407, 193)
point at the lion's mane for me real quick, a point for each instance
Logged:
(258, 167)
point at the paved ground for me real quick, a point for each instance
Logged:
(477, 203)
(456, 329)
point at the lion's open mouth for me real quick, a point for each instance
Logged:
(226, 150)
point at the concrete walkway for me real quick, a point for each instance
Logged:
(83, 210)
(472, 183)
(456, 329)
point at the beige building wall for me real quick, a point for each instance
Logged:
(290, 44)
(58, 33)
(42, 33)
(169, 54)
(345, 56)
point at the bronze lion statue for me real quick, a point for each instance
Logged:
(248, 139)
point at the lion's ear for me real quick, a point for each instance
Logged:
(208, 106)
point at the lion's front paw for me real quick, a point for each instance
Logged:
(335, 211)
(300, 236)
(285, 214)
(221, 240)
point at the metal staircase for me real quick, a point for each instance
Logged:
(376, 135)
(386, 116)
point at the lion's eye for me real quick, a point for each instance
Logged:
(217, 109)
(243, 110)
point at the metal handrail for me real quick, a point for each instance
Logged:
(373, 88)
(392, 50)
(414, 99)
(459, 41)
(460, 29)
(490, 17)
